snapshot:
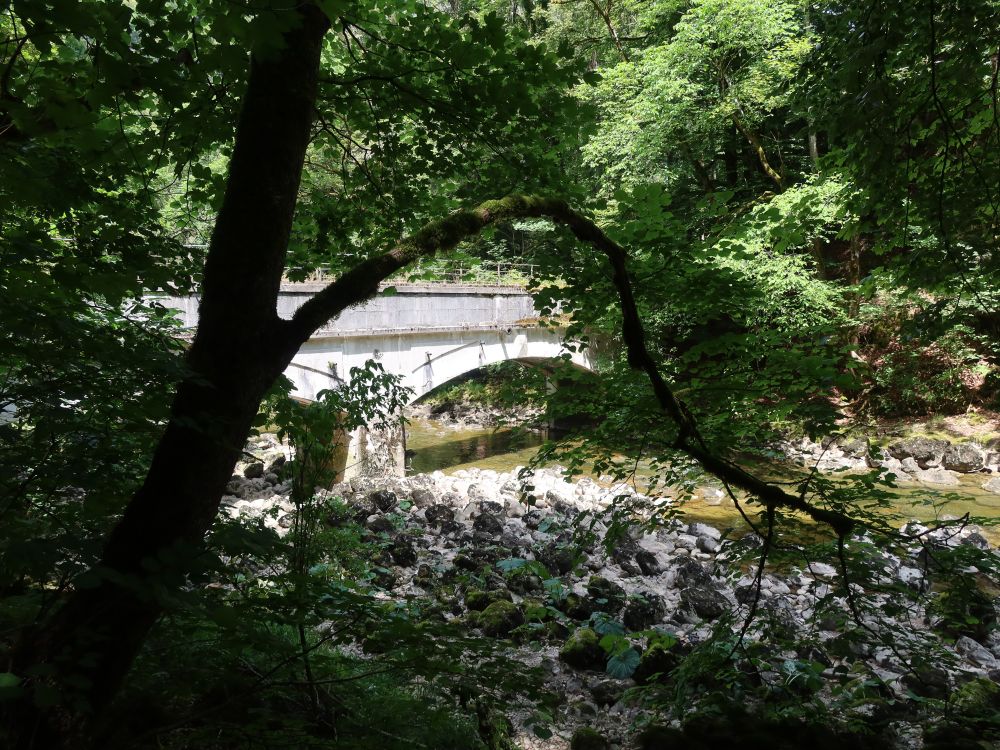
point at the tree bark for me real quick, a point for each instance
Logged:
(758, 147)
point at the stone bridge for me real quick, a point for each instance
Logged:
(427, 333)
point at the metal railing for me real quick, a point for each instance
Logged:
(439, 272)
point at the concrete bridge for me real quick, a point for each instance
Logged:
(427, 333)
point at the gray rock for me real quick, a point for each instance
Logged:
(532, 519)
(912, 577)
(925, 451)
(558, 558)
(992, 485)
(975, 653)
(822, 569)
(937, 476)
(487, 523)
(692, 574)
(975, 539)
(422, 498)
(910, 465)
(609, 692)
(607, 596)
(928, 680)
(707, 603)
(647, 563)
(255, 489)
(708, 544)
(964, 458)
(703, 529)
(403, 552)
(643, 611)
(380, 525)
(438, 515)
(383, 500)
(855, 447)
(254, 470)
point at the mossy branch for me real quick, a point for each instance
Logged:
(362, 282)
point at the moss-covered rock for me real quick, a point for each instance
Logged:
(586, 738)
(583, 650)
(525, 581)
(656, 664)
(977, 696)
(477, 600)
(536, 632)
(607, 596)
(577, 607)
(499, 619)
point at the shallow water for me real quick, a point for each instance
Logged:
(449, 449)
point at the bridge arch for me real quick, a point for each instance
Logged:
(424, 359)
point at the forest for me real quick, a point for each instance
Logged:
(767, 519)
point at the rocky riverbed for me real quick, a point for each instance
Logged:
(916, 459)
(517, 571)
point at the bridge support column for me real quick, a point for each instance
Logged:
(376, 452)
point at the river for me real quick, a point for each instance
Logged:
(435, 447)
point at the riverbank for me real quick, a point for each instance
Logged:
(502, 558)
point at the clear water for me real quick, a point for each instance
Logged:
(447, 449)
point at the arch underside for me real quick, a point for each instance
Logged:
(424, 360)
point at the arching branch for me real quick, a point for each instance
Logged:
(362, 282)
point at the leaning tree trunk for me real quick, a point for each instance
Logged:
(237, 353)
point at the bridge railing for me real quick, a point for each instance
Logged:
(438, 272)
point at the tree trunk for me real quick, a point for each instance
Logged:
(238, 351)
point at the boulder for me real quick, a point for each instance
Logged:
(708, 544)
(487, 523)
(703, 529)
(586, 738)
(607, 596)
(403, 553)
(693, 574)
(975, 652)
(992, 485)
(383, 500)
(477, 600)
(608, 692)
(964, 458)
(937, 476)
(577, 607)
(438, 515)
(707, 603)
(381, 525)
(927, 452)
(558, 558)
(643, 611)
(855, 447)
(647, 562)
(254, 470)
(582, 650)
(499, 619)
(624, 554)
(422, 497)
(656, 664)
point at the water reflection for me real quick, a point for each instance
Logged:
(430, 452)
